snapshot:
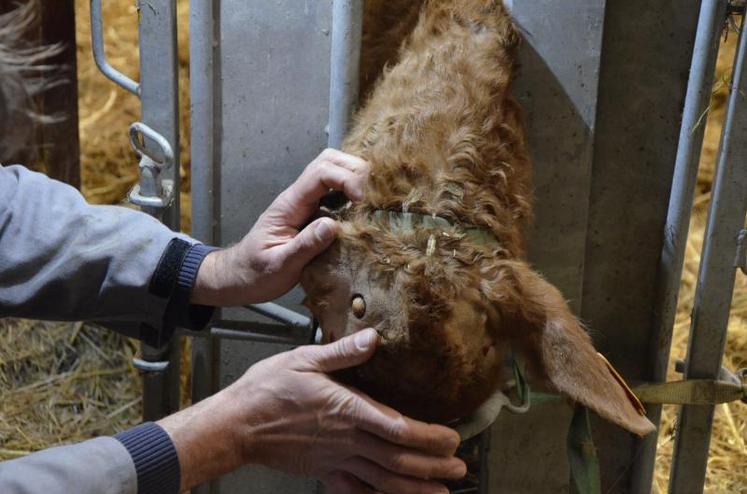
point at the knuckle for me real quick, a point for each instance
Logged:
(328, 154)
(396, 429)
(398, 462)
(350, 407)
(323, 168)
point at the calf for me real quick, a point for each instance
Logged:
(434, 257)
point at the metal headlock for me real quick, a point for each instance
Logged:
(156, 141)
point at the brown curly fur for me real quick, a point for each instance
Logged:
(386, 23)
(444, 137)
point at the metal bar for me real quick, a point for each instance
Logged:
(160, 111)
(347, 29)
(202, 46)
(700, 82)
(281, 314)
(233, 334)
(99, 55)
(713, 292)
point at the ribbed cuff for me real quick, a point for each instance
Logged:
(155, 457)
(191, 265)
(179, 311)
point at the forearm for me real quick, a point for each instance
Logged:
(98, 466)
(61, 258)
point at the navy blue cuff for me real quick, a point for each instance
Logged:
(179, 312)
(155, 457)
(173, 280)
(187, 276)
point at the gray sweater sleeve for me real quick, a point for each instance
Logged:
(98, 466)
(63, 259)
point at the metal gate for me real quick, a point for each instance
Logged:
(604, 84)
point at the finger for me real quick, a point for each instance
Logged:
(389, 482)
(410, 462)
(324, 174)
(344, 483)
(309, 243)
(349, 161)
(346, 352)
(392, 426)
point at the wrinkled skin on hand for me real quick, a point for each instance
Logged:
(287, 413)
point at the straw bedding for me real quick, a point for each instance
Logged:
(66, 382)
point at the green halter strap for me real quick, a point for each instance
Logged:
(400, 221)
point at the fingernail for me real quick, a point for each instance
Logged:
(324, 230)
(453, 443)
(365, 339)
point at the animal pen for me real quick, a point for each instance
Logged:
(615, 94)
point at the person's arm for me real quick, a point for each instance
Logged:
(98, 466)
(284, 412)
(64, 259)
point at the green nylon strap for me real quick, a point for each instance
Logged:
(582, 455)
(399, 221)
(692, 392)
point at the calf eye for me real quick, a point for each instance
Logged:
(358, 304)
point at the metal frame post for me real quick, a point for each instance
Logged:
(202, 46)
(159, 94)
(345, 56)
(700, 82)
(715, 284)
(156, 139)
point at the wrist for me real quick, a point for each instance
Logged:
(223, 280)
(205, 440)
(206, 290)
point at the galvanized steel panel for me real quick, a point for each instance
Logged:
(645, 63)
(261, 103)
(273, 82)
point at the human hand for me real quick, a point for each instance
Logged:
(286, 413)
(269, 259)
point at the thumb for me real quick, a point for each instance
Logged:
(311, 241)
(347, 352)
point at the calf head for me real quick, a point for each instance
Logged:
(449, 319)
(433, 257)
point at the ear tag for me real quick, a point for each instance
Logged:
(629, 392)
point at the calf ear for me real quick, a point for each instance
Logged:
(558, 348)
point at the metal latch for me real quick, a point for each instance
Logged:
(147, 366)
(152, 191)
